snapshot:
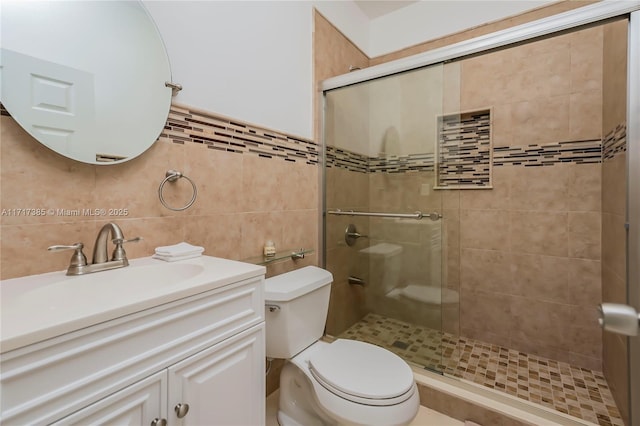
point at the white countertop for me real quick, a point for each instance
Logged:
(40, 307)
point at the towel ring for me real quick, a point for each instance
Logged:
(172, 176)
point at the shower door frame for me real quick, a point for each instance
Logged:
(592, 14)
(633, 207)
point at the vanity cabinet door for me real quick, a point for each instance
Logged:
(136, 405)
(221, 385)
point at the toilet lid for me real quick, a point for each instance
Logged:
(362, 370)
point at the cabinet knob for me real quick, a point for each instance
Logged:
(159, 422)
(181, 410)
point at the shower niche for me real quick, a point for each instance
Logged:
(464, 147)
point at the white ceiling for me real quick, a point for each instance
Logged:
(376, 8)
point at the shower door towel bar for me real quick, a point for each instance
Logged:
(417, 215)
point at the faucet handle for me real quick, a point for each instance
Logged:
(122, 240)
(78, 258)
(118, 252)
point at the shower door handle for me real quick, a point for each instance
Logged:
(620, 319)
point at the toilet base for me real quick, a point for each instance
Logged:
(299, 403)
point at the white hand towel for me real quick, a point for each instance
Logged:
(180, 249)
(176, 258)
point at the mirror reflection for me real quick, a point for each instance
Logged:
(85, 78)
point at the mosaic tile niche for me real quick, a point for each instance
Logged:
(464, 150)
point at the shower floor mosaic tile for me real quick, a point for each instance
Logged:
(571, 390)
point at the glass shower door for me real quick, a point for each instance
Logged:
(387, 257)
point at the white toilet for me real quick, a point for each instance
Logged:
(344, 382)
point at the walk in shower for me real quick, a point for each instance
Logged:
(473, 212)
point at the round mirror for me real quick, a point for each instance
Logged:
(85, 78)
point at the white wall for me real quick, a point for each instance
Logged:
(430, 19)
(246, 60)
(252, 60)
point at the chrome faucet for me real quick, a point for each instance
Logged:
(100, 261)
(100, 248)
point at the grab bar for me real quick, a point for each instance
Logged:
(417, 215)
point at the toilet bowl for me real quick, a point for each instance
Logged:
(343, 382)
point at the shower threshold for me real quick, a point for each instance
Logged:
(576, 391)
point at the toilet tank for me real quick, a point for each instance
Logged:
(296, 309)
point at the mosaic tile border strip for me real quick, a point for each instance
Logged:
(558, 385)
(185, 125)
(344, 159)
(225, 134)
(615, 142)
(464, 150)
(402, 163)
(578, 152)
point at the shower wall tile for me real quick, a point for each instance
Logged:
(547, 131)
(538, 232)
(585, 340)
(614, 194)
(540, 120)
(346, 307)
(587, 61)
(485, 270)
(543, 189)
(614, 287)
(451, 199)
(586, 115)
(347, 190)
(616, 370)
(484, 229)
(539, 321)
(614, 75)
(584, 188)
(451, 248)
(588, 316)
(585, 284)
(584, 235)
(485, 311)
(503, 131)
(614, 243)
(544, 278)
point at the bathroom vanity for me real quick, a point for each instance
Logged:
(155, 343)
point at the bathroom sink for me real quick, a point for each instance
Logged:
(42, 306)
(105, 286)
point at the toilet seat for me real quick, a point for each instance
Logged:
(352, 370)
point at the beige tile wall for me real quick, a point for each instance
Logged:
(615, 363)
(242, 201)
(526, 254)
(333, 55)
(345, 190)
(530, 249)
(488, 28)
